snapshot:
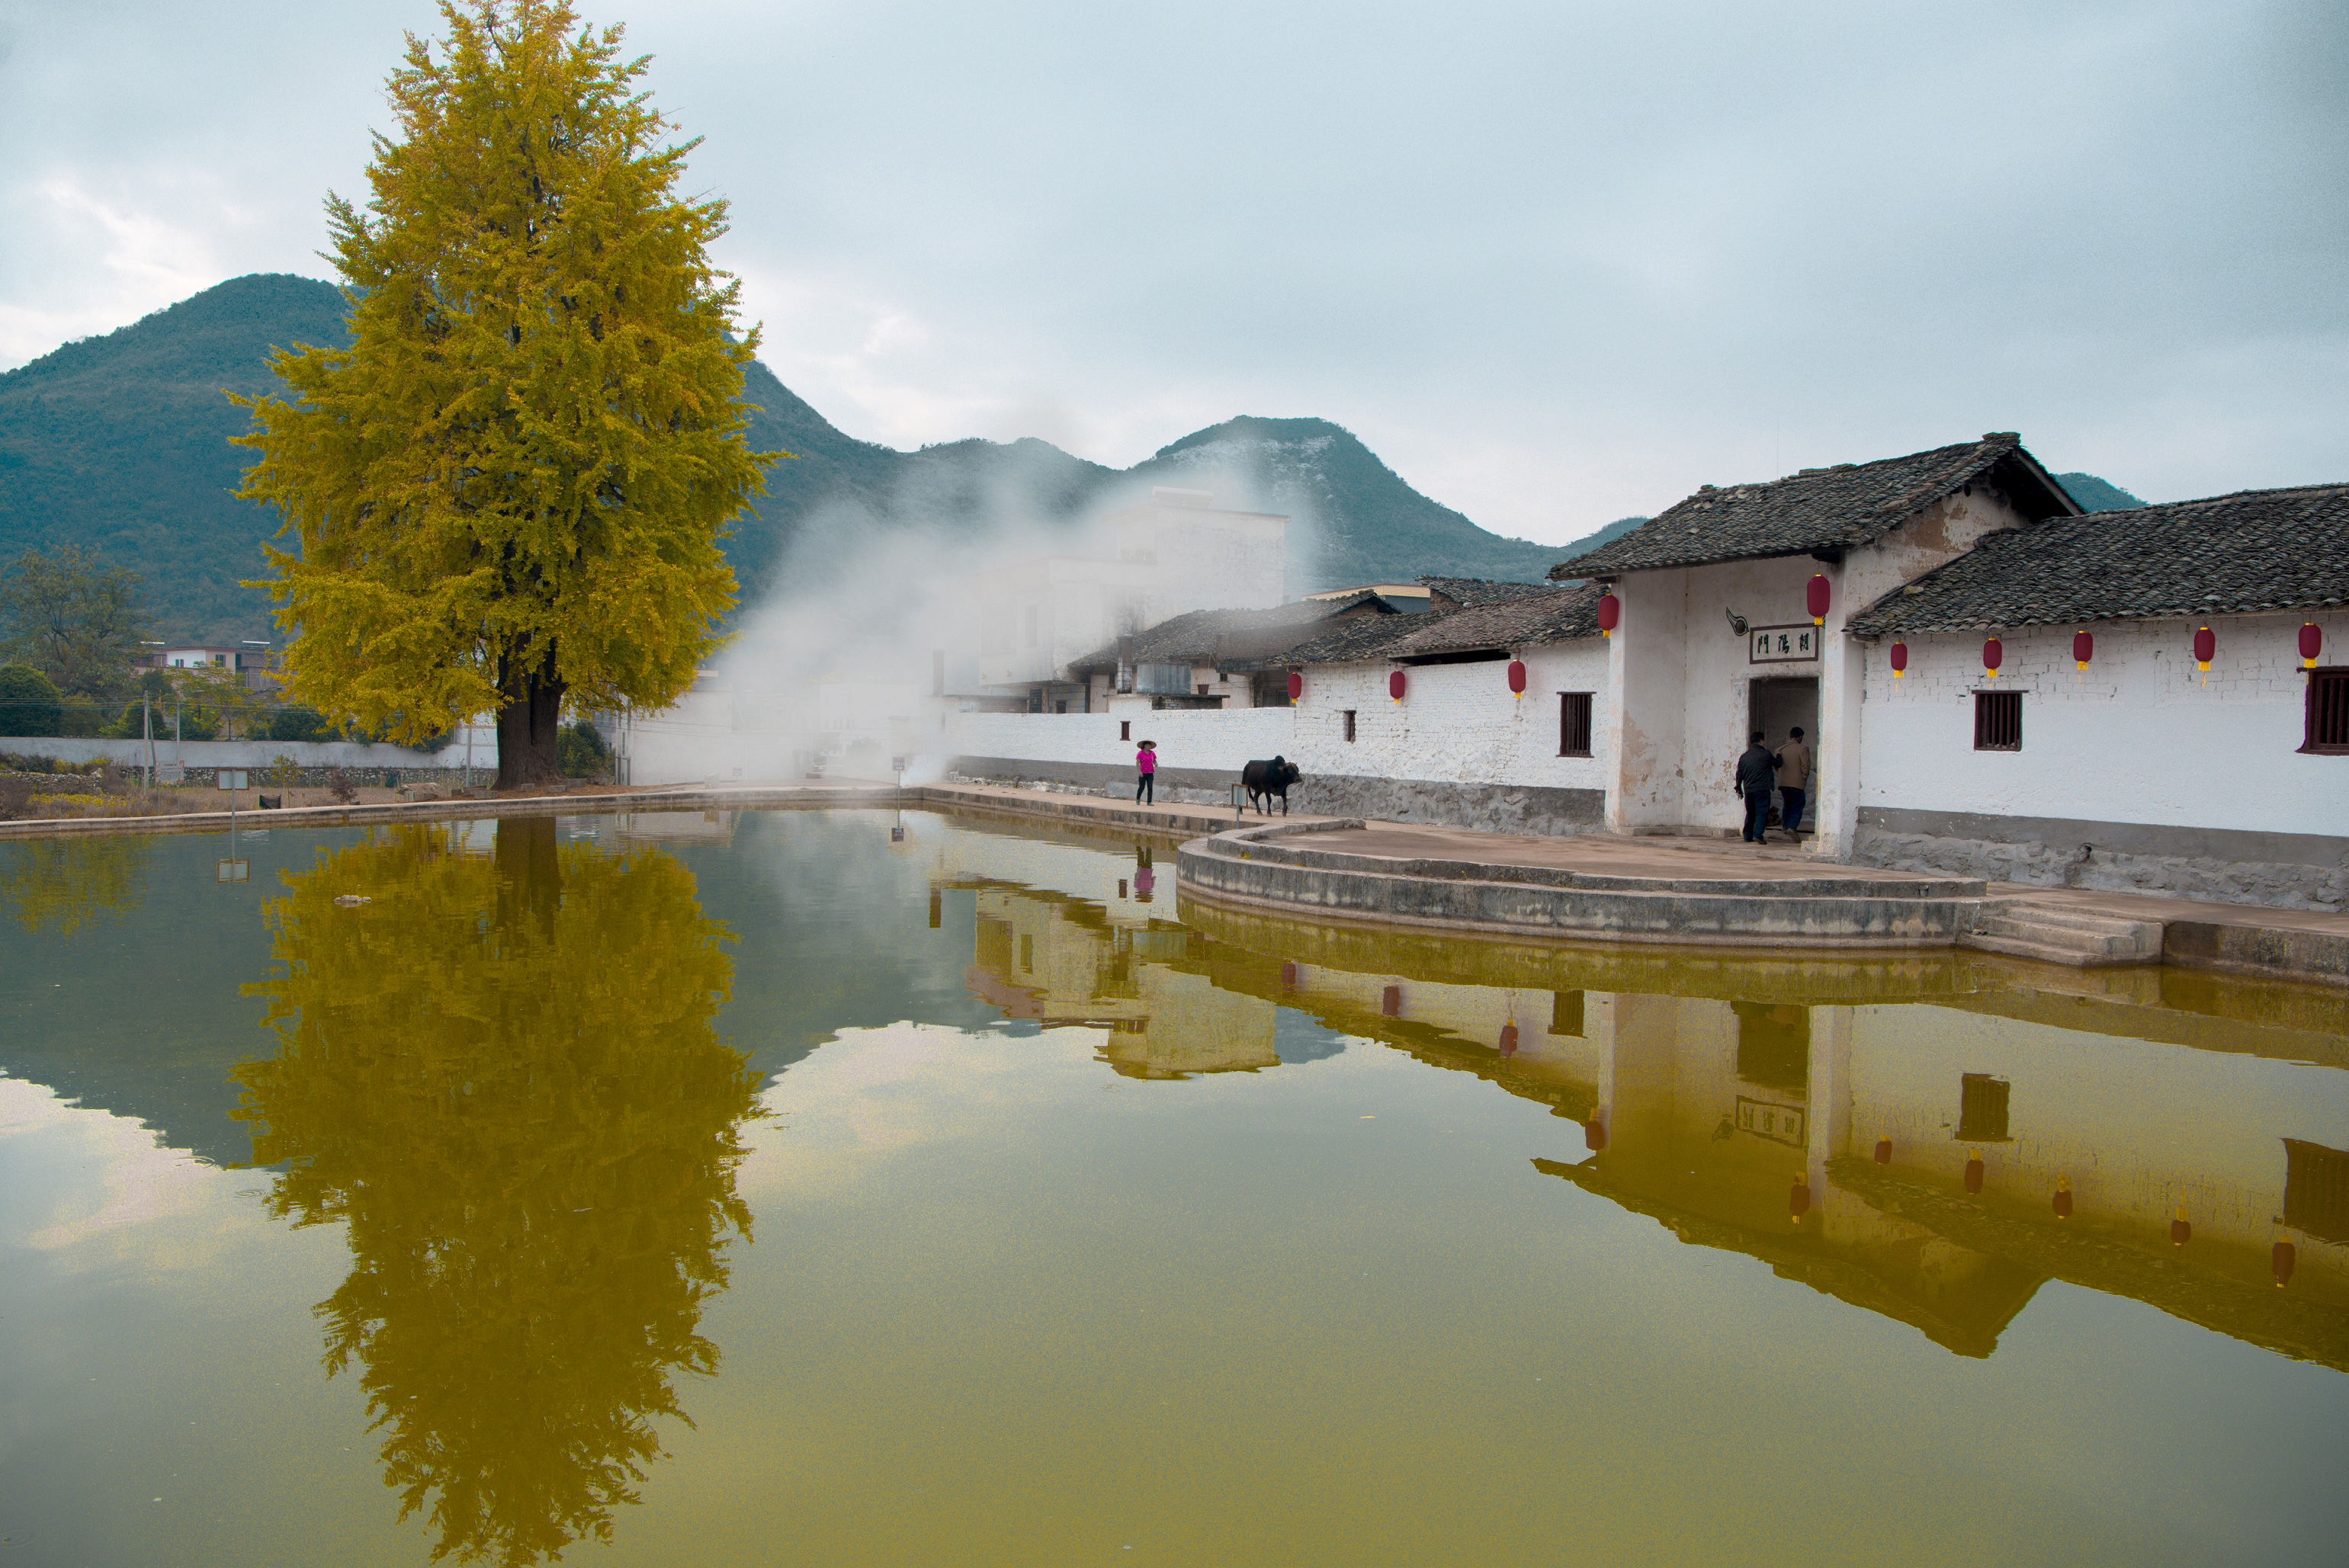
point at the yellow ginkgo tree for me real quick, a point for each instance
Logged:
(507, 494)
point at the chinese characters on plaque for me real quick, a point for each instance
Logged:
(1783, 645)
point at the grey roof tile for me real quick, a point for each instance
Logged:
(2226, 555)
(1821, 510)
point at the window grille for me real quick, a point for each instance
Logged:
(1982, 1108)
(1998, 721)
(2328, 712)
(1125, 729)
(1349, 724)
(2316, 1190)
(1574, 724)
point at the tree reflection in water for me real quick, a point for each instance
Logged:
(55, 887)
(503, 1076)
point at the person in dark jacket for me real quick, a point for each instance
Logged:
(1757, 775)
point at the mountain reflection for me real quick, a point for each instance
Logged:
(501, 1075)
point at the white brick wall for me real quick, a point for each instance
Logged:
(2140, 736)
(1457, 723)
(1221, 739)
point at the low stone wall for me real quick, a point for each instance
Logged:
(1487, 807)
(2279, 871)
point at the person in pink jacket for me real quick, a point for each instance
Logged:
(1145, 768)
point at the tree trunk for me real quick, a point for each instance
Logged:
(527, 727)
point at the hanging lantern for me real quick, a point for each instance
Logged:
(1296, 684)
(1899, 660)
(1594, 1137)
(2312, 642)
(2084, 648)
(1814, 595)
(1798, 1202)
(1391, 1002)
(1508, 1039)
(2180, 1233)
(1611, 614)
(1288, 976)
(1973, 1172)
(2205, 644)
(1993, 654)
(1517, 678)
(1395, 685)
(2063, 1197)
(2282, 1258)
(1884, 1149)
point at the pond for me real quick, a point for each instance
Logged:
(668, 1188)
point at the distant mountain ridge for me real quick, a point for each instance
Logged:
(121, 442)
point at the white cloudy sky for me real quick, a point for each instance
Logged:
(1554, 262)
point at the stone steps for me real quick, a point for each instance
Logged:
(2052, 935)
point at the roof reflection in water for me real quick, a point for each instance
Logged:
(1818, 1113)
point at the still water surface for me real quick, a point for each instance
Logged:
(667, 1190)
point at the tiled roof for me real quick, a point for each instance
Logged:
(1546, 616)
(1823, 510)
(1559, 616)
(1468, 592)
(2229, 555)
(1234, 639)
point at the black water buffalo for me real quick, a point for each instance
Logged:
(1263, 780)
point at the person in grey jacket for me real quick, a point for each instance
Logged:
(1757, 775)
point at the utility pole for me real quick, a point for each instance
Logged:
(146, 733)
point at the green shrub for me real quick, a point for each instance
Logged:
(299, 724)
(580, 751)
(28, 701)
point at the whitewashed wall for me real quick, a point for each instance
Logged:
(256, 754)
(1219, 740)
(2140, 737)
(1457, 723)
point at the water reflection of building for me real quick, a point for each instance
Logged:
(1108, 961)
(1931, 1139)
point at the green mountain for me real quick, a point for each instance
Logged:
(121, 442)
(2097, 495)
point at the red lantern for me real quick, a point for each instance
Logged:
(1993, 654)
(2063, 1197)
(1395, 685)
(2312, 642)
(1288, 976)
(2084, 648)
(1391, 1002)
(1814, 595)
(2282, 1258)
(1594, 1136)
(1517, 678)
(2205, 644)
(1973, 1172)
(1508, 1039)
(1296, 684)
(1798, 1202)
(1611, 614)
(1899, 660)
(1884, 1149)
(2180, 1233)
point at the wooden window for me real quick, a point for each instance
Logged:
(1348, 716)
(2316, 1190)
(1982, 1108)
(1574, 724)
(2328, 712)
(1125, 729)
(1998, 721)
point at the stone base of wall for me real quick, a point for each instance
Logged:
(1488, 808)
(2082, 862)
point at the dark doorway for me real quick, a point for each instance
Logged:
(1775, 704)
